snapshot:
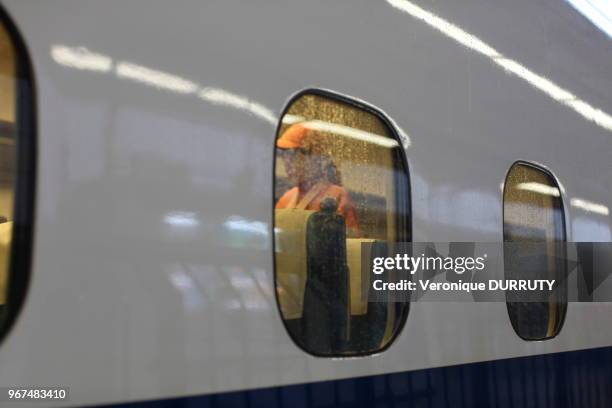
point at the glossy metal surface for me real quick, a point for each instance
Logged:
(152, 257)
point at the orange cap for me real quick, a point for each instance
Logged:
(294, 138)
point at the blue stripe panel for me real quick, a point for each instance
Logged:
(571, 379)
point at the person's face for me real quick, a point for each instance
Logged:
(300, 166)
(293, 160)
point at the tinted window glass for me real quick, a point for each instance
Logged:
(340, 181)
(533, 215)
(16, 172)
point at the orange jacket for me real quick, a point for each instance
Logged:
(292, 197)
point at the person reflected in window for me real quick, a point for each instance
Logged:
(313, 175)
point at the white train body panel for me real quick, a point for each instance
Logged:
(140, 288)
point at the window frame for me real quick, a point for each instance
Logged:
(404, 192)
(19, 267)
(564, 222)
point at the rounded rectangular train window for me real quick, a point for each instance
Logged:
(341, 181)
(534, 227)
(16, 172)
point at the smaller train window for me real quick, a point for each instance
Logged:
(534, 233)
(341, 180)
(16, 172)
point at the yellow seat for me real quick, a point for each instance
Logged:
(359, 279)
(291, 266)
(6, 232)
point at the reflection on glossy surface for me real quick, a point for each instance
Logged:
(192, 297)
(240, 232)
(181, 219)
(241, 224)
(117, 155)
(155, 78)
(538, 188)
(598, 11)
(289, 119)
(8, 114)
(83, 59)
(339, 183)
(474, 43)
(535, 215)
(252, 296)
(223, 97)
(350, 132)
(590, 206)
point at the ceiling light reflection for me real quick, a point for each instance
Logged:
(446, 27)
(534, 79)
(539, 188)
(155, 78)
(472, 42)
(289, 119)
(598, 11)
(244, 225)
(81, 58)
(590, 206)
(351, 132)
(222, 97)
(182, 219)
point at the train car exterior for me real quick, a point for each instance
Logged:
(151, 273)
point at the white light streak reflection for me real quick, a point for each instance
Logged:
(599, 12)
(350, 132)
(590, 206)
(181, 219)
(243, 225)
(554, 91)
(539, 188)
(543, 84)
(289, 119)
(155, 78)
(81, 58)
(221, 97)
